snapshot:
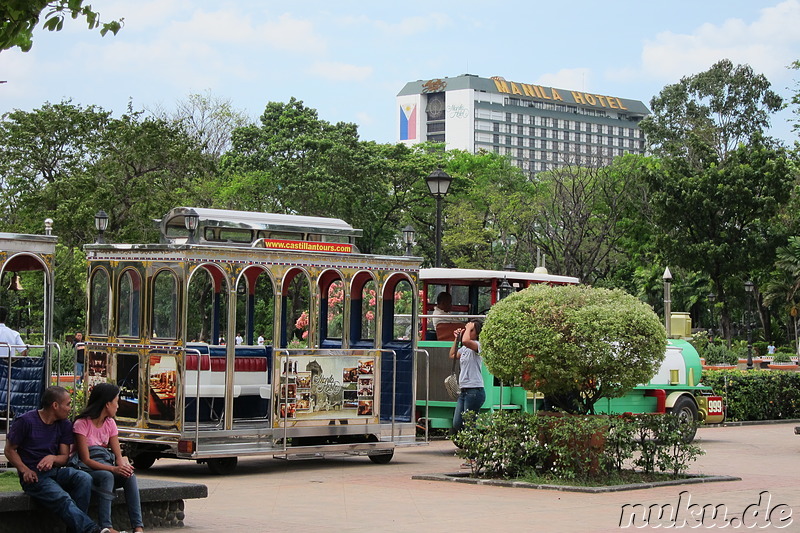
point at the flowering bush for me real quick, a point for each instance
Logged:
(512, 444)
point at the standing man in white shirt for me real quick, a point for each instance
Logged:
(10, 337)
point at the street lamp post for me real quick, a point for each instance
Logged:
(505, 289)
(748, 287)
(711, 299)
(438, 183)
(408, 238)
(101, 224)
(667, 277)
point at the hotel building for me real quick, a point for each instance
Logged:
(538, 127)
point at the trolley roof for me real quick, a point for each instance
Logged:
(172, 225)
(449, 275)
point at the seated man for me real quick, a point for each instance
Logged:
(10, 337)
(444, 322)
(38, 446)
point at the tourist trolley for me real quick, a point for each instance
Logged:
(254, 334)
(26, 281)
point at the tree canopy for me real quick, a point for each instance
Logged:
(575, 344)
(18, 19)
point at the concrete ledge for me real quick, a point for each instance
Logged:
(162, 506)
(463, 477)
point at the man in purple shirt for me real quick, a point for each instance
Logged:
(38, 445)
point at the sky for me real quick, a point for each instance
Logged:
(349, 59)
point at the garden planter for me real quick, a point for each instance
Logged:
(719, 367)
(783, 366)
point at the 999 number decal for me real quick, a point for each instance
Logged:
(715, 405)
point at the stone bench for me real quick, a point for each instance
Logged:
(162, 507)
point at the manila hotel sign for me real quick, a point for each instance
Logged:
(549, 93)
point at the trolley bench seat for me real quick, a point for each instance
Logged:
(250, 375)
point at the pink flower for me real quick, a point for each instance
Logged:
(302, 321)
(370, 316)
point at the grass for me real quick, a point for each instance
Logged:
(622, 477)
(9, 482)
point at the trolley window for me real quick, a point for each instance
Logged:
(129, 297)
(99, 305)
(403, 311)
(165, 305)
(333, 310)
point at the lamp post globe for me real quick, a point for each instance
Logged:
(438, 183)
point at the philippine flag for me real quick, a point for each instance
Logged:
(408, 122)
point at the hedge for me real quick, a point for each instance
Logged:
(756, 394)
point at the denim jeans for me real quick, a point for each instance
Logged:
(78, 373)
(104, 484)
(470, 399)
(65, 492)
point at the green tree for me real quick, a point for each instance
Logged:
(580, 216)
(718, 189)
(294, 162)
(576, 344)
(18, 19)
(42, 154)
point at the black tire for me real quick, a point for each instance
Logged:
(382, 458)
(686, 410)
(143, 460)
(223, 466)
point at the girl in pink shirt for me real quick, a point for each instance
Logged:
(97, 447)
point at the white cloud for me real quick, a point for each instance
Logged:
(569, 78)
(768, 44)
(364, 119)
(405, 27)
(335, 71)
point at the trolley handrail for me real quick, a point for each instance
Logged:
(427, 388)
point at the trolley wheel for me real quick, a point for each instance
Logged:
(686, 410)
(381, 458)
(223, 466)
(143, 460)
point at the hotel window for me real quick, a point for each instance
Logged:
(545, 121)
(520, 130)
(496, 127)
(519, 118)
(520, 153)
(508, 139)
(436, 106)
(555, 122)
(532, 131)
(508, 117)
(496, 138)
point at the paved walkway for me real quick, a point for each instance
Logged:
(353, 494)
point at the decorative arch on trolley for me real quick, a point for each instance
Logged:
(30, 375)
(211, 296)
(333, 293)
(293, 298)
(255, 289)
(364, 296)
(397, 337)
